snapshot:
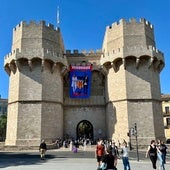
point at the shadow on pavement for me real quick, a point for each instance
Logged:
(8, 159)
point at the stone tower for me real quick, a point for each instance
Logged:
(125, 85)
(35, 67)
(133, 84)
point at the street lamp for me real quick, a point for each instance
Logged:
(136, 135)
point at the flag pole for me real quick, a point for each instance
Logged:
(58, 17)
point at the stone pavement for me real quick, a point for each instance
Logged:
(71, 164)
(65, 159)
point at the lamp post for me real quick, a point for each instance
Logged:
(133, 132)
(136, 136)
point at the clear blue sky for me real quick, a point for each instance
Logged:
(83, 23)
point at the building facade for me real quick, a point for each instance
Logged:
(166, 114)
(125, 85)
(3, 106)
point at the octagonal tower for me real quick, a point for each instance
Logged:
(133, 82)
(35, 67)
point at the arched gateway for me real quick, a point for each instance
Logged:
(84, 130)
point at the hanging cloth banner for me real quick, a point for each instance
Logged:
(80, 81)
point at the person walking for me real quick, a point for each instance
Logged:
(99, 152)
(71, 145)
(115, 152)
(161, 154)
(42, 149)
(152, 152)
(125, 155)
(164, 151)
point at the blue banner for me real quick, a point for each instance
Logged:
(80, 81)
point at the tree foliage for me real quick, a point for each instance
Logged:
(3, 123)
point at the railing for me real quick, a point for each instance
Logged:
(166, 113)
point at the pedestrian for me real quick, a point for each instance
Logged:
(76, 143)
(99, 152)
(164, 151)
(161, 154)
(125, 155)
(108, 161)
(152, 152)
(71, 145)
(85, 145)
(42, 149)
(115, 151)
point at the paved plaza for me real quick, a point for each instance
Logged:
(67, 160)
(70, 164)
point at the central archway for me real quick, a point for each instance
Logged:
(84, 130)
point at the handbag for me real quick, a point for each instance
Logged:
(103, 166)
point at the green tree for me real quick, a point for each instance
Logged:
(3, 123)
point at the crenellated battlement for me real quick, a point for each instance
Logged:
(131, 33)
(34, 23)
(123, 22)
(12, 53)
(135, 51)
(31, 36)
(28, 54)
(84, 52)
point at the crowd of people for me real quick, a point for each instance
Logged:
(107, 155)
(71, 142)
(107, 152)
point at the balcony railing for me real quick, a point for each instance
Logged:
(166, 113)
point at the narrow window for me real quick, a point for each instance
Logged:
(166, 109)
(168, 121)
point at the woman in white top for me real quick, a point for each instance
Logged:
(125, 156)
